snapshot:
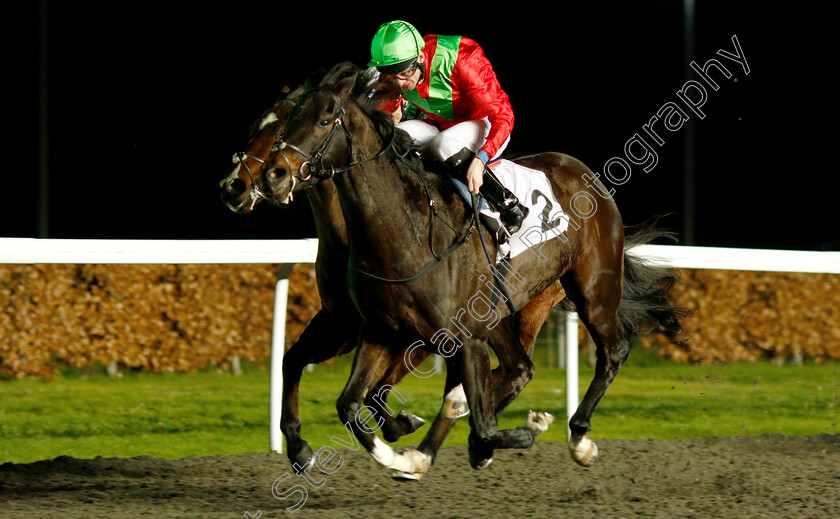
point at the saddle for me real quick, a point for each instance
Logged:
(511, 213)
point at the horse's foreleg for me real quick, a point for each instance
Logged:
(528, 323)
(485, 436)
(454, 406)
(371, 365)
(322, 339)
(397, 425)
(515, 366)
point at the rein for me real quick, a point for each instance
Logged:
(437, 257)
(256, 192)
(316, 158)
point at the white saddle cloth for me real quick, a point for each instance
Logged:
(546, 219)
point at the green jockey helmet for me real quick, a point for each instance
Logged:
(395, 42)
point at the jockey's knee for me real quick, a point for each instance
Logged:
(421, 133)
(445, 146)
(460, 160)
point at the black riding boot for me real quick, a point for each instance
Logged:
(512, 213)
(503, 200)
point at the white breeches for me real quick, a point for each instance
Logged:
(443, 144)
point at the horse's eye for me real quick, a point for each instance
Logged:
(324, 123)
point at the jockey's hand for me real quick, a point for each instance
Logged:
(397, 115)
(475, 175)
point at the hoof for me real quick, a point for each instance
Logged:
(481, 453)
(402, 476)
(455, 410)
(411, 421)
(421, 462)
(584, 452)
(538, 423)
(455, 404)
(302, 458)
(409, 460)
(481, 464)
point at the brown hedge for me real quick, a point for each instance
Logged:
(149, 317)
(185, 317)
(746, 316)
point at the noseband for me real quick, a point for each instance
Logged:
(314, 161)
(255, 193)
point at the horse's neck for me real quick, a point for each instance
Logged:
(329, 219)
(386, 211)
(384, 202)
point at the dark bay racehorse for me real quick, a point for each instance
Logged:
(385, 197)
(335, 327)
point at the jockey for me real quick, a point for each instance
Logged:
(453, 106)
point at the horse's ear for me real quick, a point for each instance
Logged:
(297, 92)
(346, 87)
(369, 77)
(338, 73)
(366, 81)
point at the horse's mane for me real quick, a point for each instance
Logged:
(320, 77)
(370, 98)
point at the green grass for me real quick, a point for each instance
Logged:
(210, 413)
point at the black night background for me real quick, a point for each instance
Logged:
(142, 105)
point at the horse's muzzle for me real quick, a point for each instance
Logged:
(278, 184)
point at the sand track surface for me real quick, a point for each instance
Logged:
(732, 477)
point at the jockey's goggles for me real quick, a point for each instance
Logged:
(400, 73)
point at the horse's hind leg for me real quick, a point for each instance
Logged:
(596, 293)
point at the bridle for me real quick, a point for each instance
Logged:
(312, 167)
(255, 193)
(316, 170)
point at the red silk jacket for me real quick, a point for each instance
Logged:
(465, 90)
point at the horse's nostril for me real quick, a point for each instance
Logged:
(237, 186)
(277, 173)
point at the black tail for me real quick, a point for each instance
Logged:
(646, 304)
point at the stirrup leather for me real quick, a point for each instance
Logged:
(501, 199)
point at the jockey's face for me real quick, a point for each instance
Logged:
(408, 79)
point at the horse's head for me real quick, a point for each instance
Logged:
(241, 189)
(313, 141)
(319, 140)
